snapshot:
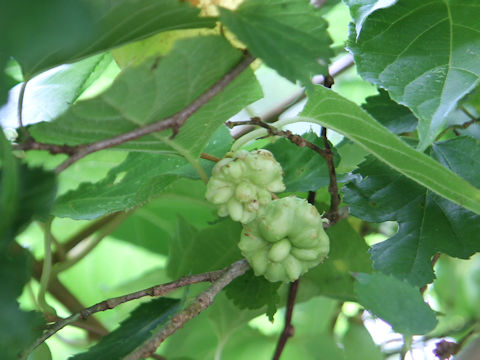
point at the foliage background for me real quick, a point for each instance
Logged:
(171, 234)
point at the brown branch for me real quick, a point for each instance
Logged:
(209, 157)
(31, 144)
(158, 290)
(333, 213)
(273, 131)
(201, 302)
(338, 67)
(288, 330)
(173, 122)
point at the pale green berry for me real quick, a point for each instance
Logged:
(235, 209)
(245, 192)
(291, 244)
(245, 178)
(275, 272)
(258, 263)
(279, 250)
(304, 254)
(293, 268)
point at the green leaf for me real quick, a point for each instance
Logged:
(396, 302)
(329, 109)
(18, 329)
(361, 9)
(9, 179)
(396, 118)
(253, 292)
(154, 225)
(134, 331)
(289, 35)
(155, 90)
(25, 194)
(348, 254)
(427, 223)
(358, 343)
(109, 25)
(59, 26)
(134, 182)
(51, 93)
(425, 54)
(194, 252)
(305, 170)
(42, 352)
(137, 180)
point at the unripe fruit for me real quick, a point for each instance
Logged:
(285, 240)
(242, 183)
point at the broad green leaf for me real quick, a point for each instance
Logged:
(396, 118)
(153, 225)
(305, 170)
(348, 254)
(395, 301)
(137, 180)
(329, 109)
(155, 90)
(289, 35)
(25, 194)
(361, 9)
(425, 54)
(194, 252)
(134, 331)
(134, 182)
(9, 184)
(18, 329)
(457, 288)
(109, 25)
(51, 93)
(38, 29)
(358, 343)
(42, 352)
(427, 223)
(253, 292)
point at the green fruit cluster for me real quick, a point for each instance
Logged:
(244, 183)
(285, 240)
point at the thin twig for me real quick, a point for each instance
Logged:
(288, 330)
(209, 157)
(158, 290)
(84, 233)
(458, 127)
(333, 214)
(273, 131)
(106, 230)
(46, 270)
(201, 302)
(338, 67)
(173, 122)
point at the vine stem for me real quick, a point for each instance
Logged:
(201, 302)
(21, 96)
(46, 270)
(231, 271)
(107, 230)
